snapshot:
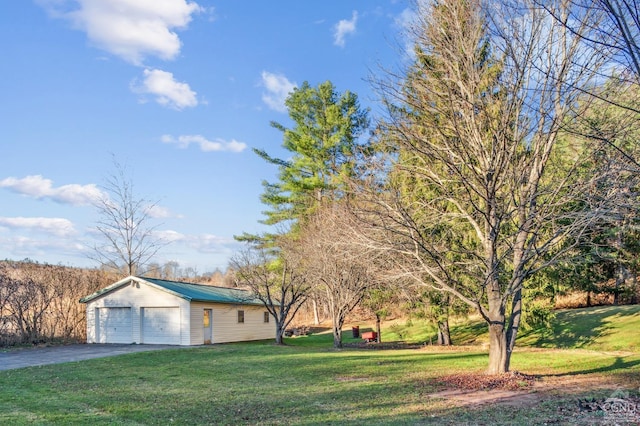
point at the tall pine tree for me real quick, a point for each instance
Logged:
(324, 145)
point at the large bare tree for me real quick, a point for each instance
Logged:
(129, 240)
(612, 25)
(340, 271)
(277, 281)
(478, 197)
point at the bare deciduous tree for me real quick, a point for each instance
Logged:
(477, 201)
(29, 304)
(612, 25)
(129, 238)
(341, 273)
(276, 281)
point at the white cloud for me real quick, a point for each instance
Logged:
(38, 187)
(159, 212)
(343, 28)
(208, 243)
(201, 243)
(166, 90)
(56, 226)
(129, 29)
(205, 145)
(278, 89)
(406, 23)
(406, 19)
(46, 249)
(170, 236)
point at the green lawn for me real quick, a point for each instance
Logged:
(602, 328)
(303, 383)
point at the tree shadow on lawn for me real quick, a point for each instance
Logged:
(470, 333)
(356, 362)
(619, 365)
(577, 328)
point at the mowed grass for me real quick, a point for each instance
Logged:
(602, 328)
(304, 383)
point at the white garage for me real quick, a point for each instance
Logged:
(153, 311)
(160, 326)
(113, 325)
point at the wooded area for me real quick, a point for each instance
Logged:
(502, 174)
(40, 303)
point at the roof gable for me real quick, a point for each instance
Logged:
(188, 291)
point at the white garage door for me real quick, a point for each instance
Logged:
(114, 325)
(161, 326)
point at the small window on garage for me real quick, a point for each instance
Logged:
(266, 317)
(240, 317)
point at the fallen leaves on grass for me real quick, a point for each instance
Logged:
(508, 381)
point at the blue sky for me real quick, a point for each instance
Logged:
(179, 92)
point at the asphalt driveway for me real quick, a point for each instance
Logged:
(31, 357)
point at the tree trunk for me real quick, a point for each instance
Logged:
(378, 332)
(495, 316)
(621, 279)
(444, 334)
(337, 337)
(316, 316)
(498, 355)
(514, 325)
(279, 334)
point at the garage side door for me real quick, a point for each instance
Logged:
(161, 326)
(114, 325)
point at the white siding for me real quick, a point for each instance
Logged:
(196, 321)
(136, 296)
(225, 323)
(227, 329)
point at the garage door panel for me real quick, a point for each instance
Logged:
(161, 325)
(114, 325)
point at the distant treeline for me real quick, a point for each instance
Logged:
(40, 302)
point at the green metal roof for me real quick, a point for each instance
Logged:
(206, 293)
(188, 291)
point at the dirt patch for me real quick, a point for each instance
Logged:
(513, 388)
(463, 397)
(577, 383)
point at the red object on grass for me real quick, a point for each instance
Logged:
(370, 336)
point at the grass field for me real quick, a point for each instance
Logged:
(307, 382)
(604, 328)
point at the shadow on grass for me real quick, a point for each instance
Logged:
(578, 328)
(468, 333)
(620, 364)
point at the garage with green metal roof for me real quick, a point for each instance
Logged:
(154, 311)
